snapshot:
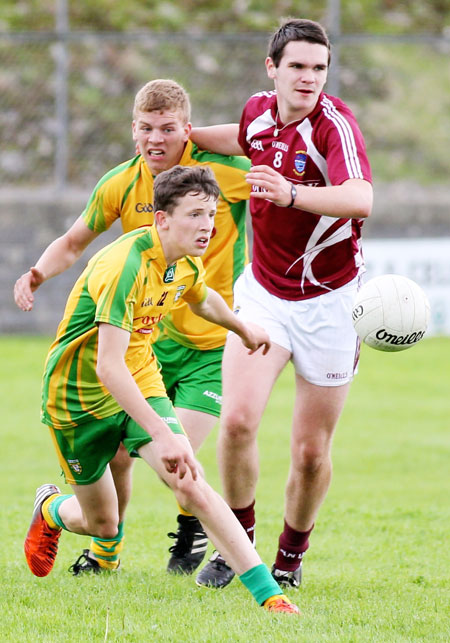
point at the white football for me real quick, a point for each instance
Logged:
(391, 313)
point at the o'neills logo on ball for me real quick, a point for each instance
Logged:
(357, 312)
(398, 340)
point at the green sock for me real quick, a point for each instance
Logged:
(258, 580)
(107, 550)
(53, 509)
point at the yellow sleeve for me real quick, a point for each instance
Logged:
(198, 291)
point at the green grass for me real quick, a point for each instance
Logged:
(377, 569)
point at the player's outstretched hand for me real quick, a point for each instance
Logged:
(25, 286)
(254, 338)
(176, 455)
(271, 185)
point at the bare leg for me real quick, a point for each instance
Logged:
(93, 510)
(247, 383)
(316, 413)
(219, 522)
(122, 470)
(197, 424)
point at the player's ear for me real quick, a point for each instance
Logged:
(270, 67)
(161, 219)
(133, 129)
(187, 130)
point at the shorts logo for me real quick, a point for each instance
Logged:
(337, 376)
(169, 420)
(75, 465)
(236, 310)
(213, 396)
(300, 162)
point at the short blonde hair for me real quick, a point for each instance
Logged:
(161, 95)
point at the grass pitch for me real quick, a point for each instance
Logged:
(378, 566)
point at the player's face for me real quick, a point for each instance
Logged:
(187, 230)
(299, 78)
(161, 138)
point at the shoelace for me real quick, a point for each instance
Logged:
(78, 564)
(184, 542)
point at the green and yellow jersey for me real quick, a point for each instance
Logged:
(129, 285)
(126, 192)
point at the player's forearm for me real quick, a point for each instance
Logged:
(215, 310)
(65, 250)
(221, 139)
(351, 200)
(116, 377)
(58, 257)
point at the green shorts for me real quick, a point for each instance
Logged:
(85, 451)
(193, 378)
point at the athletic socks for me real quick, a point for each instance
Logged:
(182, 511)
(50, 512)
(246, 517)
(259, 582)
(292, 544)
(106, 551)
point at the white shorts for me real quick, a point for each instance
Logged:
(318, 332)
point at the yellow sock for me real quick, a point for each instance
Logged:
(273, 599)
(45, 512)
(182, 511)
(106, 551)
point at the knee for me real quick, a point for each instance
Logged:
(104, 528)
(238, 425)
(191, 495)
(309, 457)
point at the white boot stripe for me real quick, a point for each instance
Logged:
(43, 492)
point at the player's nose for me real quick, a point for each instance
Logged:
(155, 136)
(207, 223)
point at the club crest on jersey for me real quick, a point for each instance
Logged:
(300, 162)
(75, 465)
(169, 275)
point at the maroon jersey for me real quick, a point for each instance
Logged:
(298, 254)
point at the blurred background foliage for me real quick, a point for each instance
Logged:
(393, 71)
(194, 16)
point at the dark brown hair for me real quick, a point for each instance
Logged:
(173, 184)
(296, 29)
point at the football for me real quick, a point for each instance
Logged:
(391, 313)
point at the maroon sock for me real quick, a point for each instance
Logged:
(246, 517)
(292, 544)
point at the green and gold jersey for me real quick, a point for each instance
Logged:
(129, 285)
(127, 192)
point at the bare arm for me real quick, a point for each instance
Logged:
(177, 455)
(56, 258)
(350, 200)
(215, 310)
(221, 139)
